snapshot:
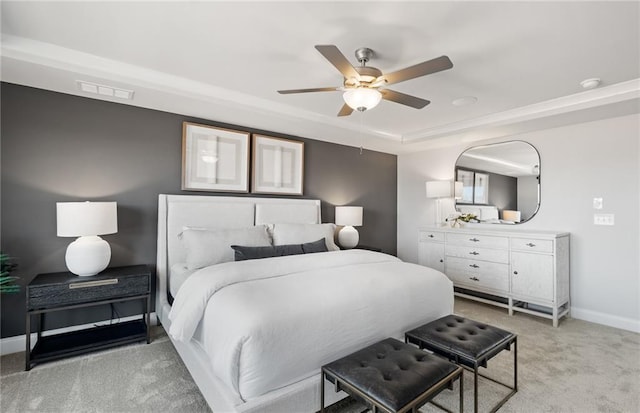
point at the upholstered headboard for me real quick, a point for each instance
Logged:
(219, 212)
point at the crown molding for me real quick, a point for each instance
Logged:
(580, 101)
(263, 112)
(65, 59)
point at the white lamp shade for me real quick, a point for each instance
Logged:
(439, 189)
(457, 189)
(76, 219)
(349, 216)
(362, 97)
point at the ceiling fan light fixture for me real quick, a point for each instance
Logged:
(362, 98)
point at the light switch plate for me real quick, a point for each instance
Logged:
(603, 219)
(597, 203)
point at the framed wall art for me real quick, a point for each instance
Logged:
(214, 159)
(278, 166)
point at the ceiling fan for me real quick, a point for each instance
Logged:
(362, 85)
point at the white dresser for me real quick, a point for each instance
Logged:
(525, 271)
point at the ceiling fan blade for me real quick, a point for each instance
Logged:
(345, 111)
(336, 58)
(421, 69)
(403, 99)
(317, 89)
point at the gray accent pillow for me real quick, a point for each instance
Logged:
(243, 253)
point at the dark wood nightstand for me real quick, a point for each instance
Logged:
(66, 291)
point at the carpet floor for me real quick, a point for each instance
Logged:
(578, 367)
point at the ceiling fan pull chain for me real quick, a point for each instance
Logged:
(361, 134)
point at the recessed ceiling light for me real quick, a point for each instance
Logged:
(464, 101)
(90, 87)
(590, 83)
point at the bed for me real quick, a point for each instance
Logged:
(254, 333)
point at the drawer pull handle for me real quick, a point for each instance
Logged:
(430, 235)
(441, 260)
(515, 273)
(531, 245)
(474, 266)
(474, 253)
(474, 278)
(474, 239)
(87, 284)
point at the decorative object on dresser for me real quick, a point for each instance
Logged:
(89, 254)
(214, 159)
(52, 292)
(278, 166)
(525, 271)
(440, 190)
(350, 217)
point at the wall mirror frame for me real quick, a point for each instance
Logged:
(500, 182)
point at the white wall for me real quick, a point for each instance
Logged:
(578, 162)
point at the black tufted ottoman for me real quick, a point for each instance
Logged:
(468, 343)
(392, 376)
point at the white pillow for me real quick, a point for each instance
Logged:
(488, 213)
(206, 247)
(284, 234)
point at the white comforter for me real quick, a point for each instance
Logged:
(271, 322)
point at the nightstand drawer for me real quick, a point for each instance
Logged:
(86, 290)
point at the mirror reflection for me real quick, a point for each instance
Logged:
(500, 182)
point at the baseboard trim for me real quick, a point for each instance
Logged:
(17, 344)
(623, 323)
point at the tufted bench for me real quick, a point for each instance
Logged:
(392, 376)
(468, 343)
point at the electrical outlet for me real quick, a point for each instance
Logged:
(597, 203)
(603, 219)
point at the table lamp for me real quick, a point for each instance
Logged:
(349, 216)
(439, 190)
(88, 254)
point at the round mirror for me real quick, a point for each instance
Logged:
(500, 182)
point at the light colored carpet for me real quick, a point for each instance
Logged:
(578, 367)
(133, 378)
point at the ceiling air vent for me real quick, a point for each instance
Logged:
(90, 87)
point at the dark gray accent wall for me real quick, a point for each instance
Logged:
(503, 192)
(58, 147)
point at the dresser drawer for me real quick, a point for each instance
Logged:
(431, 236)
(478, 274)
(475, 240)
(532, 244)
(86, 289)
(482, 254)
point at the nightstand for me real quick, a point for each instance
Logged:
(52, 292)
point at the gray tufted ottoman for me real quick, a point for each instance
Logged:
(468, 343)
(391, 376)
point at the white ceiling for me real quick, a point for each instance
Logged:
(224, 61)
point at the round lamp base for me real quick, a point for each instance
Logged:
(348, 237)
(88, 255)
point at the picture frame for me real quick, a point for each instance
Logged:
(466, 177)
(214, 159)
(277, 166)
(481, 188)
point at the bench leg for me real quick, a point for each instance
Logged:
(321, 392)
(462, 391)
(475, 388)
